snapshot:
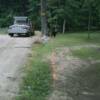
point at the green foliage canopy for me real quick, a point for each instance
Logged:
(77, 14)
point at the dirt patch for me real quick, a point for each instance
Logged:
(74, 79)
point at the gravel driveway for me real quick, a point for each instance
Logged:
(13, 54)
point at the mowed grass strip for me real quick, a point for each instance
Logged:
(37, 83)
(87, 53)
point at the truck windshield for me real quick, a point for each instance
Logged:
(21, 22)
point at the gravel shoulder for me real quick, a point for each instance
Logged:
(13, 55)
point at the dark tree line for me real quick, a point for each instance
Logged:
(67, 15)
(10, 8)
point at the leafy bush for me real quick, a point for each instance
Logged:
(5, 21)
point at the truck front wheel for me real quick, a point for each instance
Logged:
(28, 34)
(11, 35)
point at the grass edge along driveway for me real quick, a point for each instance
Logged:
(37, 83)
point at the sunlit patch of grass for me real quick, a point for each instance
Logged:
(74, 39)
(87, 53)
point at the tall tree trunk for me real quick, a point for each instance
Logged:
(64, 26)
(44, 17)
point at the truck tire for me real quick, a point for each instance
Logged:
(11, 35)
(28, 34)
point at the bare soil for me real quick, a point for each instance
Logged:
(74, 78)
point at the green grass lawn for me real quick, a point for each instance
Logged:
(3, 30)
(37, 83)
(87, 53)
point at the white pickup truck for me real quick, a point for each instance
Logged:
(22, 27)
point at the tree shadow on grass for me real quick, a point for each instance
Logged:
(84, 84)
